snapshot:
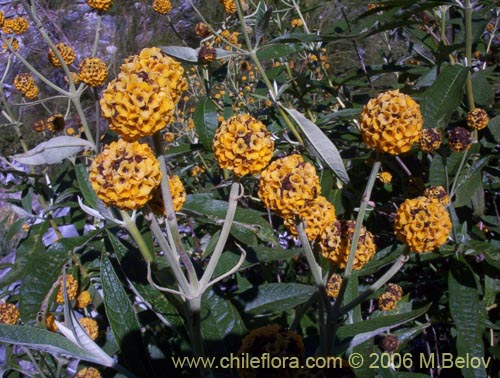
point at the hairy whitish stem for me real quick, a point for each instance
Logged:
(468, 53)
(234, 195)
(131, 227)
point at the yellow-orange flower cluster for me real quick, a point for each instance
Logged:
(16, 25)
(125, 174)
(9, 314)
(50, 323)
(229, 6)
(25, 83)
(389, 299)
(177, 192)
(296, 22)
(335, 244)
(162, 6)
(55, 122)
(14, 43)
(71, 289)
(459, 139)
(287, 184)
(437, 193)
(477, 119)
(391, 123)
(243, 145)
(423, 224)
(102, 5)
(67, 53)
(142, 99)
(201, 30)
(385, 177)
(90, 326)
(88, 372)
(333, 285)
(83, 299)
(93, 72)
(275, 341)
(317, 214)
(430, 140)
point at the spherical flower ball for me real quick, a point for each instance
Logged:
(14, 43)
(17, 25)
(177, 192)
(88, 372)
(32, 93)
(391, 123)
(477, 119)
(396, 290)
(387, 301)
(125, 174)
(67, 53)
(55, 122)
(93, 72)
(422, 224)
(50, 323)
(275, 341)
(9, 314)
(83, 299)
(333, 285)
(102, 5)
(317, 214)
(430, 140)
(437, 193)
(201, 30)
(90, 326)
(243, 145)
(229, 6)
(142, 99)
(71, 289)
(287, 184)
(459, 139)
(335, 244)
(207, 54)
(24, 82)
(162, 6)
(390, 343)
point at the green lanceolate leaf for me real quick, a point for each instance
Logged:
(465, 309)
(221, 324)
(468, 183)
(88, 192)
(494, 127)
(206, 121)
(262, 20)
(355, 334)
(53, 151)
(444, 96)
(323, 146)
(276, 297)
(277, 51)
(45, 341)
(123, 320)
(186, 54)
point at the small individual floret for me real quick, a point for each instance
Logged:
(275, 341)
(55, 123)
(287, 184)
(391, 123)
(243, 145)
(142, 99)
(207, 54)
(88, 372)
(125, 174)
(430, 140)
(477, 119)
(50, 323)
(335, 244)
(201, 30)
(459, 139)
(17, 25)
(229, 6)
(83, 299)
(317, 215)
(102, 5)
(67, 53)
(396, 290)
(437, 193)
(9, 314)
(387, 301)
(385, 177)
(162, 6)
(93, 72)
(90, 326)
(390, 343)
(422, 224)
(333, 285)
(71, 289)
